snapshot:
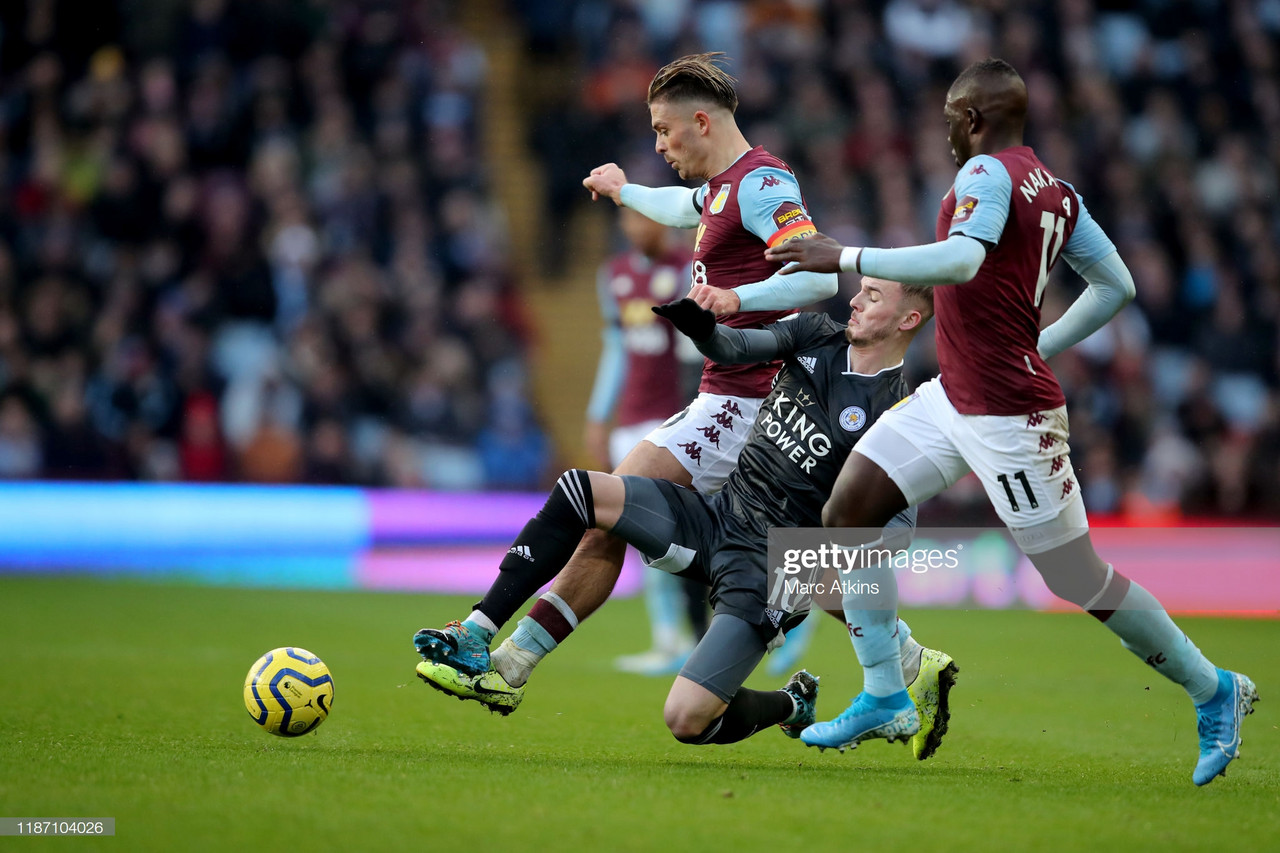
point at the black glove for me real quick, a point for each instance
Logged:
(689, 318)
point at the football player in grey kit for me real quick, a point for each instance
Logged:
(836, 379)
(748, 200)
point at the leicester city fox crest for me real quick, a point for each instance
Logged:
(853, 418)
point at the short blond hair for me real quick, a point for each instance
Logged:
(697, 77)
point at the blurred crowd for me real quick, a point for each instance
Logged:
(256, 240)
(1165, 114)
(252, 240)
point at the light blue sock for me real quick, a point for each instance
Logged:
(873, 627)
(533, 637)
(1145, 629)
(662, 601)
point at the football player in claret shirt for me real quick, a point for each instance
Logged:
(747, 200)
(836, 379)
(997, 409)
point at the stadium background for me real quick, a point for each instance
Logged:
(345, 244)
(298, 293)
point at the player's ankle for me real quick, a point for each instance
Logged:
(911, 653)
(513, 663)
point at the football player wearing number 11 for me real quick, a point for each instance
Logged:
(997, 409)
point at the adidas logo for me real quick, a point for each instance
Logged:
(521, 551)
(808, 362)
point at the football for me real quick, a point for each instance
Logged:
(288, 691)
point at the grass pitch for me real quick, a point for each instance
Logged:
(124, 700)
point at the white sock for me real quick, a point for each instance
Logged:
(909, 651)
(514, 663)
(1145, 629)
(479, 619)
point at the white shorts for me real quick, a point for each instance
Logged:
(708, 436)
(622, 440)
(1023, 461)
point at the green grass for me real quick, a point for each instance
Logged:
(124, 700)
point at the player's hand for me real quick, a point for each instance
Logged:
(595, 437)
(818, 253)
(717, 300)
(689, 318)
(607, 181)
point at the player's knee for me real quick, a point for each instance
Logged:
(571, 500)
(1073, 579)
(844, 514)
(687, 724)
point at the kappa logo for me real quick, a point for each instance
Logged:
(769, 181)
(853, 419)
(521, 551)
(979, 170)
(693, 450)
(711, 434)
(808, 362)
(731, 407)
(724, 419)
(718, 203)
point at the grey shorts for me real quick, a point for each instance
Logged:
(682, 532)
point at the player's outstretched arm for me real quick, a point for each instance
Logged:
(718, 342)
(954, 260)
(1110, 289)
(819, 254)
(779, 292)
(671, 206)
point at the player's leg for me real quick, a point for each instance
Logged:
(1075, 572)
(929, 675)
(595, 556)
(708, 704)
(670, 640)
(653, 515)
(697, 447)
(585, 581)
(1025, 466)
(580, 501)
(883, 709)
(905, 458)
